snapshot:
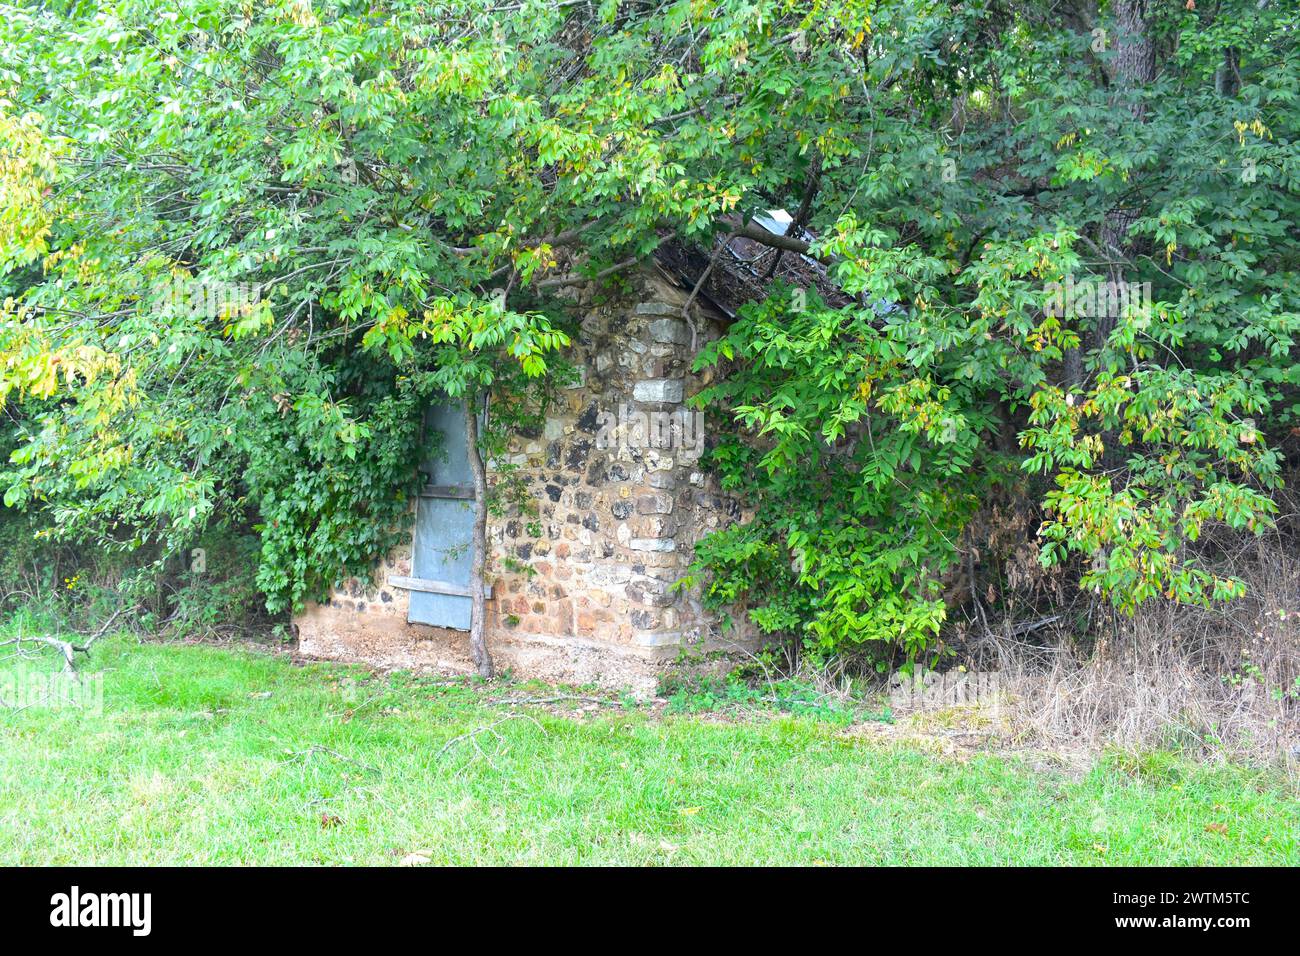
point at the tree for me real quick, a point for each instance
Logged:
(376, 172)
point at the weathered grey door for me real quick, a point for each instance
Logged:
(444, 525)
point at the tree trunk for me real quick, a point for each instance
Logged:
(1134, 66)
(1227, 78)
(1135, 47)
(477, 638)
(1074, 365)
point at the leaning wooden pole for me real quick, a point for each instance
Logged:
(477, 637)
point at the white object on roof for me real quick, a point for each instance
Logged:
(777, 221)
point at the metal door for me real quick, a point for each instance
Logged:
(444, 527)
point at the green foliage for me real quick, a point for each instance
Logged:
(734, 694)
(57, 587)
(404, 186)
(872, 433)
(332, 484)
(858, 513)
(221, 325)
(218, 596)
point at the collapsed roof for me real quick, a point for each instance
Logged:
(744, 267)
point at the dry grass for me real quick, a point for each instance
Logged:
(1222, 682)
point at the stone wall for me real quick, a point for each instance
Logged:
(583, 589)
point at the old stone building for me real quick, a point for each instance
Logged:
(584, 590)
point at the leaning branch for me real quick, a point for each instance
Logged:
(760, 235)
(561, 281)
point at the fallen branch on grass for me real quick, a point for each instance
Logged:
(485, 729)
(66, 648)
(555, 700)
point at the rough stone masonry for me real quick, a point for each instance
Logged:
(582, 591)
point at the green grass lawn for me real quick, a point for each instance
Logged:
(219, 756)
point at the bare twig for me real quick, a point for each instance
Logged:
(486, 728)
(318, 749)
(66, 649)
(699, 284)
